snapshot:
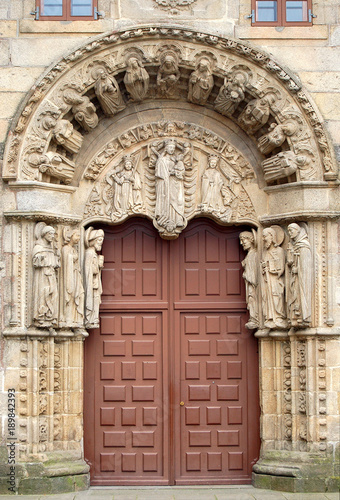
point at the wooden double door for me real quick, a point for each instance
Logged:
(171, 376)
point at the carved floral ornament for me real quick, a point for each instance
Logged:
(235, 80)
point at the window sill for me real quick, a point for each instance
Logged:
(98, 26)
(316, 32)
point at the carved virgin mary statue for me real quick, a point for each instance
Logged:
(45, 261)
(169, 175)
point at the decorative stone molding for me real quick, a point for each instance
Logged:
(252, 81)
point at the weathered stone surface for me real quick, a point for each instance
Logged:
(299, 378)
(8, 29)
(37, 51)
(18, 79)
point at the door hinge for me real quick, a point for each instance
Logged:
(35, 13)
(310, 15)
(251, 16)
(98, 13)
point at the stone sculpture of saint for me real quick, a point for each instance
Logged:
(299, 279)
(65, 135)
(168, 76)
(250, 276)
(280, 166)
(82, 108)
(93, 265)
(46, 262)
(212, 186)
(108, 93)
(201, 82)
(276, 136)
(169, 174)
(127, 188)
(273, 286)
(71, 282)
(231, 94)
(256, 114)
(136, 79)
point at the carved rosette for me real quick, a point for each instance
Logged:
(287, 392)
(322, 394)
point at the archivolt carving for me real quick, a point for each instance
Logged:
(251, 89)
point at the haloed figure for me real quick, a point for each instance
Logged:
(93, 265)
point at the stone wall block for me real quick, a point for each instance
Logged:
(305, 58)
(8, 29)
(329, 104)
(18, 79)
(41, 51)
(4, 53)
(13, 100)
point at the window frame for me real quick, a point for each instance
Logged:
(281, 15)
(66, 9)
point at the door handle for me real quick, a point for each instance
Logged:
(181, 403)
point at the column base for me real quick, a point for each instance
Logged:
(44, 478)
(296, 472)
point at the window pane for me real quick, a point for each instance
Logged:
(51, 7)
(266, 11)
(296, 11)
(81, 8)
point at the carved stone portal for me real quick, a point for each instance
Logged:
(170, 180)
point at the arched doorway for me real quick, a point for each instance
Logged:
(171, 376)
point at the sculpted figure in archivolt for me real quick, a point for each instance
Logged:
(136, 79)
(299, 282)
(273, 288)
(46, 261)
(71, 289)
(250, 276)
(93, 265)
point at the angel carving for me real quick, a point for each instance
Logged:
(127, 187)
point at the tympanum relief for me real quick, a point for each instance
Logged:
(170, 177)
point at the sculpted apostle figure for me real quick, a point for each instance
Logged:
(256, 114)
(108, 93)
(93, 265)
(231, 94)
(169, 174)
(299, 282)
(168, 76)
(273, 268)
(136, 79)
(71, 282)
(250, 276)
(127, 195)
(201, 82)
(46, 261)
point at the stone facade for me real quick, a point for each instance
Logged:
(169, 111)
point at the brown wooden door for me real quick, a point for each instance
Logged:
(171, 377)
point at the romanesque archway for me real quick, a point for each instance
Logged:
(170, 124)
